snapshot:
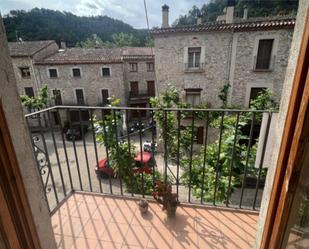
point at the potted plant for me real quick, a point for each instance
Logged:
(163, 194)
(143, 206)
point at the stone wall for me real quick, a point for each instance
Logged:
(24, 82)
(226, 57)
(91, 81)
(170, 63)
(142, 76)
(244, 77)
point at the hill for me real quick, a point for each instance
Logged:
(257, 8)
(45, 24)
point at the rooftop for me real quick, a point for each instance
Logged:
(98, 221)
(238, 26)
(95, 55)
(27, 48)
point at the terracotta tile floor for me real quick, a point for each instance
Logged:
(101, 222)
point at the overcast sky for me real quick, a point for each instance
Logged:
(129, 11)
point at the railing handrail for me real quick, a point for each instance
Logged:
(148, 109)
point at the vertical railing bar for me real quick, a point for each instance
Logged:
(56, 152)
(205, 154)
(165, 145)
(129, 144)
(218, 158)
(117, 149)
(76, 157)
(65, 150)
(106, 149)
(247, 158)
(262, 159)
(232, 161)
(95, 149)
(37, 163)
(178, 153)
(153, 148)
(47, 157)
(85, 148)
(141, 150)
(191, 156)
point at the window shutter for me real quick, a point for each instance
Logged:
(203, 55)
(185, 55)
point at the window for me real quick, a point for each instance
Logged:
(25, 72)
(53, 73)
(105, 96)
(76, 72)
(263, 59)
(57, 97)
(150, 67)
(151, 88)
(200, 135)
(193, 96)
(255, 92)
(194, 57)
(80, 96)
(133, 67)
(106, 72)
(29, 91)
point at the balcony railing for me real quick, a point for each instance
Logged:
(188, 68)
(93, 157)
(140, 94)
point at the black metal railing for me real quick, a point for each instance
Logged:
(141, 94)
(92, 155)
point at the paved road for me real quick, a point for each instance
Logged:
(83, 174)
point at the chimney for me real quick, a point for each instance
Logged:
(63, 45)
(199, 20)
(165, 10)
(245, 17)
(230, 11)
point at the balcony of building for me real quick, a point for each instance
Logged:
(94, 209)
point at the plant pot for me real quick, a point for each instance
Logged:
(143, 206)
(171, 212)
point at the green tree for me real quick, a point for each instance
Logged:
(257, 8)
(39, 102)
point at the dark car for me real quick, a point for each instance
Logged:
(74, 133)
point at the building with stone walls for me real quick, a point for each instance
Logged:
(79, 76)
(249, 54)
(23, 55)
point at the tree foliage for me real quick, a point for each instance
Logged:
(45, 24)
(39, 102)
(257, 8)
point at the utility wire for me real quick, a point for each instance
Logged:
(152, 53)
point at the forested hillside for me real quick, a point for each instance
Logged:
(44, 24)
(257, 8)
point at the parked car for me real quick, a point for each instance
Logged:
(74, 133)
(148, 145)
(104, 169)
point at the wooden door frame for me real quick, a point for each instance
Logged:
(290, 159)
(17, 226)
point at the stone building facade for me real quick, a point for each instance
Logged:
(24, 55)
(200, 59)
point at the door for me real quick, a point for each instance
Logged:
(151, 88)
(105, 97)
(134, 88)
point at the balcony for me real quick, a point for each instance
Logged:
(219, 185)
(194, 69)
(100, 221)
(140, 95)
